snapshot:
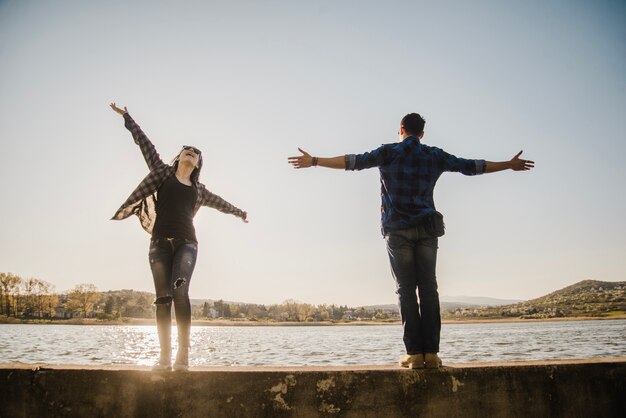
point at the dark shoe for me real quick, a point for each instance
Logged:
(432, 361)
(412, 361)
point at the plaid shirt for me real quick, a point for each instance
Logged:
(408, 173)
(142, 201)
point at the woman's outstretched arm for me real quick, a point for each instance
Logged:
(150, 154)
(214, 201)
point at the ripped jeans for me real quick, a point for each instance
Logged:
(172, 261)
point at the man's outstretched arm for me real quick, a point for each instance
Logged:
(515, 164)
(305, 160)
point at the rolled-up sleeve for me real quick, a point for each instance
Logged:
(480, 166)
(464, 166)
(350, 161)
(374, 158)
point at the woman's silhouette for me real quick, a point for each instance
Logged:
(166, 202)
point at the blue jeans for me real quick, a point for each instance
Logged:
(172, 261)
(413, 258)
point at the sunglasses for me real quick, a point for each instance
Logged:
(192, 149)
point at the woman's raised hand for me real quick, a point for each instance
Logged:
(118, 110)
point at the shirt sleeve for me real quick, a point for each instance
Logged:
(214, 201)
(150, 154)
(460, 165)
(375, 158)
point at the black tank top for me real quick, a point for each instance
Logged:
(174, 210)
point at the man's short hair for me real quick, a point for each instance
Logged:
(413, 124)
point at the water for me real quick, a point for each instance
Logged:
(311, 345)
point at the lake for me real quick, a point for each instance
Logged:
(311, 345)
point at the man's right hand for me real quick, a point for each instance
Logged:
(517, 164)
(118, 110)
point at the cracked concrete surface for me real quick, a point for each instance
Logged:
(595, 387)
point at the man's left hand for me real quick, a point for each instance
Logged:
(303, 161)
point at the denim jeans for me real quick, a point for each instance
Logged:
(413, 258)
(172, 261)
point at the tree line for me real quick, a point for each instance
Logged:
(290, 311)
(35, 298)
(28, 297)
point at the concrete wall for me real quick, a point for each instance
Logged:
(590, 388)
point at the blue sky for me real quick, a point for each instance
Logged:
(250, 81)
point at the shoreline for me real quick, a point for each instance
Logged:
(231, 323)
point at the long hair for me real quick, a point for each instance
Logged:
(195, 174)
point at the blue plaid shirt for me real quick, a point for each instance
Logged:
(408, 173)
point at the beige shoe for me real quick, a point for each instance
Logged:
(412, 361)
(182, 360)
(180, 367)
(432, 361)
(163, 365)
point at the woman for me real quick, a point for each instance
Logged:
(165, 203)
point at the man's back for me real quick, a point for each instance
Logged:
(409, 171)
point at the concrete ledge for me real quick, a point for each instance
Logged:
(582, 388)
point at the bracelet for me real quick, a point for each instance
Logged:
(314, 162)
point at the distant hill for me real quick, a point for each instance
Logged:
(590, 291)
(586, 298)
(450, 303)
(591, 298)
(477, 300)
(445, 305)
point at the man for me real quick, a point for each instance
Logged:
(411, 226)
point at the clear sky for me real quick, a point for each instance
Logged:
(250, 81)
